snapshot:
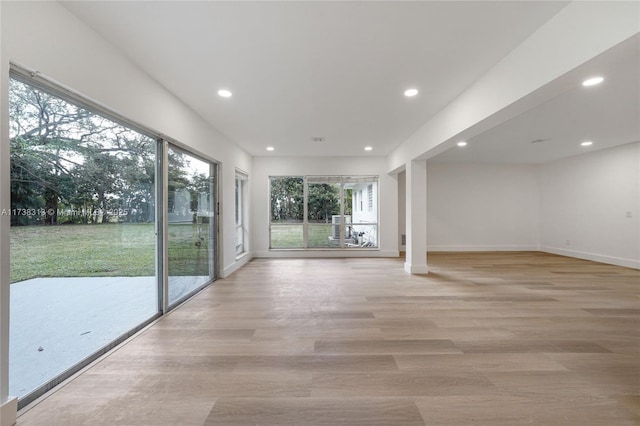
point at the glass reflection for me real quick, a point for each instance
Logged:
(191, 194)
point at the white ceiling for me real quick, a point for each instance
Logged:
(607, 114)
(336, 70)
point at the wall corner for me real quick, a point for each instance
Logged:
(9, 412)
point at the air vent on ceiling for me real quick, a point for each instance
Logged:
(317, 139)
(539, 140)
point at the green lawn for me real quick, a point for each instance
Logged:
(188, 254)
(104, 250)
(290, 236)
(286, 236)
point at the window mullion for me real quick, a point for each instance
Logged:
(343, 222)
(305, 210)
(162, 242)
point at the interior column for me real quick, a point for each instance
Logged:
(416, 217)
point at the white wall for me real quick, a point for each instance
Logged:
(481, 207)
(587, 206)
(586, 202)
(263, 167)
(45, 37)
(540, 68)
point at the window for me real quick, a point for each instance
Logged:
(287, 212)
(82, 237)
(241, 212)
(95, 231)
(334, 219)
(323, 218)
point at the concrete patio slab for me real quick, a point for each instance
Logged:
(57, 322)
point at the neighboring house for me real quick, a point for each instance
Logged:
(364, 213)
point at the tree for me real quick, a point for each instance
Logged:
(323, 201)
(67, 159)
(287, 199)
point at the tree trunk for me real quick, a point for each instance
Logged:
(51, 207)
(98, 207)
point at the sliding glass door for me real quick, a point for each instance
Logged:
(191, 223)
(82, 237)
(110, 226)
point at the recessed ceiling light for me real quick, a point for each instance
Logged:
(270, 148)
(409, 93)
(592, 81)
(224, 93)
(368, 148)
(586, 143)
(461, 143)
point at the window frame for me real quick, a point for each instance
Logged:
(242, 218)
(307, 226)
(43, 83)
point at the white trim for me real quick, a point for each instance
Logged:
(241, 260)
(9, 412)
(445, 248)
(618, 261)
(241, 196)
(8, 405)
(416, 269)
(242, 256)
(328, 253)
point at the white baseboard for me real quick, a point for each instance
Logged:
(483, 248)
(627, 263)
(325, 253)
(416, 269)
(239, 263)
(9, 412)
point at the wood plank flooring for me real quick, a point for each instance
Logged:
(484, 339)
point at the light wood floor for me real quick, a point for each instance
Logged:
(485, 339)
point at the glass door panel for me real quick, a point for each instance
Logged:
(82, 236)
(191, 223)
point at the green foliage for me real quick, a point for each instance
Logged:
(74, 165)
(348, 201)
(70, 166)
(287, 199)
(323, 201)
